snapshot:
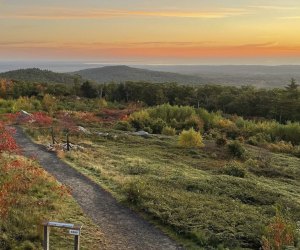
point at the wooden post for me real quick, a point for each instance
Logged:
(46, 237)
(68, 142)
(52, 134)
(76, 242)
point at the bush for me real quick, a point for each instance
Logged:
(168, 112)
(148, 129)
(134, 192)
(281, 147)
(157, 125)
(259, 139)
(190, 138)
(123, 125)
(194, 122)
(27, 104)
(279, 234)
(49, 103)
(135, 166)
(234, 169)
(168, 131)
(102, 103)
(140, 119)
(236, 149)
(221, 141)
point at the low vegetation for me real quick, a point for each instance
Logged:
(210, 179)
(206, 197)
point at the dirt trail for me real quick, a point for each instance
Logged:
(122, 228)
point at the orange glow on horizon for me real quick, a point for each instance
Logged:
(92, 51)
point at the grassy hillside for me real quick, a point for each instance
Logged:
(35, 75)
(124, 73)
(223, 195)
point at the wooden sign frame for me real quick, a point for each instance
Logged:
(73, 230)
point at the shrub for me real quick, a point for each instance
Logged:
(259, 139)
(135, 166)
(134, 192)
(279, 234)
(236, 149)
(168, 112)
(194, 122)
(102, 103)
(7, 142)
(123, 125)
(241, 139)
(221, 141)
(140, 119)
(168, 131)
(234, 169)
(27, 104)
(157, 125)
(190, 138)
(148, 129)
(49, 103)
(210, 119)
(281, 147)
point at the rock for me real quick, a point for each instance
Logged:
(25, 113)
(102, 134)
(141, 133)
(83, 130)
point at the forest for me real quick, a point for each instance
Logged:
(279, 104)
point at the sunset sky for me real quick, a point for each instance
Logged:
(156, 31)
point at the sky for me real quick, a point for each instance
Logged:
(153, 32)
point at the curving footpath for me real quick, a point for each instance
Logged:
(122, 228)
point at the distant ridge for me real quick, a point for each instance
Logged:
(125, 73)
(36, 75)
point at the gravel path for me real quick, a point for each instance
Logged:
(122, 228)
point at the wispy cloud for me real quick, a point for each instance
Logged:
(290, 17)
(273, 7)
(49, 14)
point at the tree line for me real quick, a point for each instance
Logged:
(279, 104)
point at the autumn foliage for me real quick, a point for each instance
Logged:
(7, 142)
(27, 197)
(41, 119)
(279, 234)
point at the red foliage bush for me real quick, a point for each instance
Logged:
(41, 119)
(7, 142)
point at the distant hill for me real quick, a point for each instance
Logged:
(38, 76)
(231, 75)
(237, 75)
(124, 73)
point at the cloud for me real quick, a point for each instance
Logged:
(27, 44)
(273, 7)
(290, 17)
(57, 14)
